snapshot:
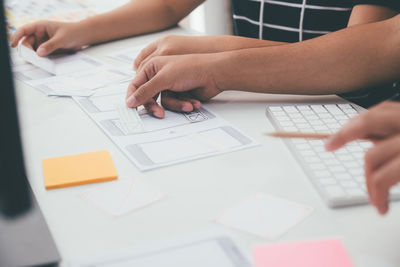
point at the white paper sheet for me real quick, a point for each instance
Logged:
(58, 64)
(264, 215)
(82, 83)
(211, 249)
(127, 55)
(124, 195)
(179, 137)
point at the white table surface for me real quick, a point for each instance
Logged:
(197, 191)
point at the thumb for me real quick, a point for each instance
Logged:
(48, 47)
(147, 91)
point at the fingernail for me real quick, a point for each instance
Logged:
(187, 108)
(328, 143)
(132, 102)
(41, 51)
(158, 114)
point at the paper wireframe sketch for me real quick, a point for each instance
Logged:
(185, 136)
(127, 55)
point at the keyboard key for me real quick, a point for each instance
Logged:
(306, 153)
(318, 109)
(312, 159)
(275, 109)
(333, 109)
(327, 181)
(290, 109)
(295, 115)
(303, 146)
(298, 141)
(344, 157)
(287, 123)
(343, 176)
(350, 164)
(345, 106)
(337, 168)
(323, 173)
(317, 166)
(356, 192)
(290, 129)
(349, 184)
(312, 118)
(279, 113)
(335, 191)
(359, 179)
(303, 107)
(357, 171)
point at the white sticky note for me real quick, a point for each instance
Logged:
(58, 64)
(264, 215)
(123, 196)
(31, 56)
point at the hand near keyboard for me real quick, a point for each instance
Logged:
(382, 162)
(183, 82)
(47, 37)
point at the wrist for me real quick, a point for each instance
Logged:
(86, 29)
(222, 70)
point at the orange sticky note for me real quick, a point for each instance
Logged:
(92, 167)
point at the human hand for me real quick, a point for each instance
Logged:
(46, 37)
(174, 45)
(183, 81)
(382, 162)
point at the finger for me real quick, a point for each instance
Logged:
(29, 42)
(196, 103)
(144, 54)
(356, 128)
(382, 179)
(382, 152)
(171, 101)
(139, 80)
(154, 109)
(23, 31)
(48, 47)
(144, 62)
(148, 90)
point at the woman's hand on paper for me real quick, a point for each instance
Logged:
(183, 82)
(47, 37)
(382, 161)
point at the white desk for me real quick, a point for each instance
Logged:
(197, 191)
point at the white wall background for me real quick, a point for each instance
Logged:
(212, 18)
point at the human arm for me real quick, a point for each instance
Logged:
(136, 17)
(382, 161)
(343, 61)
(180, 45)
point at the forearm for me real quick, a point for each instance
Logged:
(136, 17)
(343, 61)
(215, 44)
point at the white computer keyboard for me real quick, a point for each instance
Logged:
(337, 176)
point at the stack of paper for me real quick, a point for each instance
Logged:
(67, 75)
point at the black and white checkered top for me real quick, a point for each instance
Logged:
(298, 20)
(295, 20)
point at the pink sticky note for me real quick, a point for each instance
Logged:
(323, 253)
